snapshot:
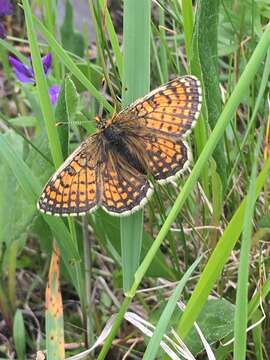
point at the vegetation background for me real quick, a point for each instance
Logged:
(203, 240)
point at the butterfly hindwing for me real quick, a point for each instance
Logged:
(111, 168)
(167, 157)
(124, 189)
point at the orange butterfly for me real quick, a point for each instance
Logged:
(112, 168)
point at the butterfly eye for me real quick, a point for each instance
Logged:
(99, 122)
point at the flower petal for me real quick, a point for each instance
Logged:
(54, 91)
(5, 8)
(47, 63)
(23, 73)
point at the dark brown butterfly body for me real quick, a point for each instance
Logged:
(111, 168)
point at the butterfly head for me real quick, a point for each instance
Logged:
(101, 124)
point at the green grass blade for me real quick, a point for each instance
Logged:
(113, 38)
(257, 334)
(187, 24)
(241, 313)
(227, 113)
(162, 48)
(136, 83)
(217, 260)
(194, 306)
(46, 107)
(165, 318)
(14, 51)
(131, 243)
(42, 88)
(72, 67)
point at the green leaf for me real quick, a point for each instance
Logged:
(24, 121)
(72, 98)
(215, 321)
(42, 88)
(16, 218)
(61, 116)
(204, 64)
(19, 335)
(218, 259)
(71, 40)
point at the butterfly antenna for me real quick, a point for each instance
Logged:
(61, 123)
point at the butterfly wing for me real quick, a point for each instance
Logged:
(72, 190)
(171, 109)
(124, 189)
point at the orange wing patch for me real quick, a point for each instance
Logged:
(110, 168)
(167, 157)
(172, 108)
(72, 189)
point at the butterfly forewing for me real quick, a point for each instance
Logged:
(112, 168)
(72, 189)
(172, 108)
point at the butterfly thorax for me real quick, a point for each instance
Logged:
(117, 140)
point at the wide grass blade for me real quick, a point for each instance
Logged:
(204, 63)
(136, 83)
(19, 335)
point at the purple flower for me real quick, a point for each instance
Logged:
(25, 74)
(5, 10)
(47, 63)
(54, 91)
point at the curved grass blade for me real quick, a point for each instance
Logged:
(69, 63)
(153, 346)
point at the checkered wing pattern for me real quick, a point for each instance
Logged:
(172, 109)
(124, 189)
(168, 157)
(72, 189)
(111, 169)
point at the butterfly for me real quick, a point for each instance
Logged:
(115, 167)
